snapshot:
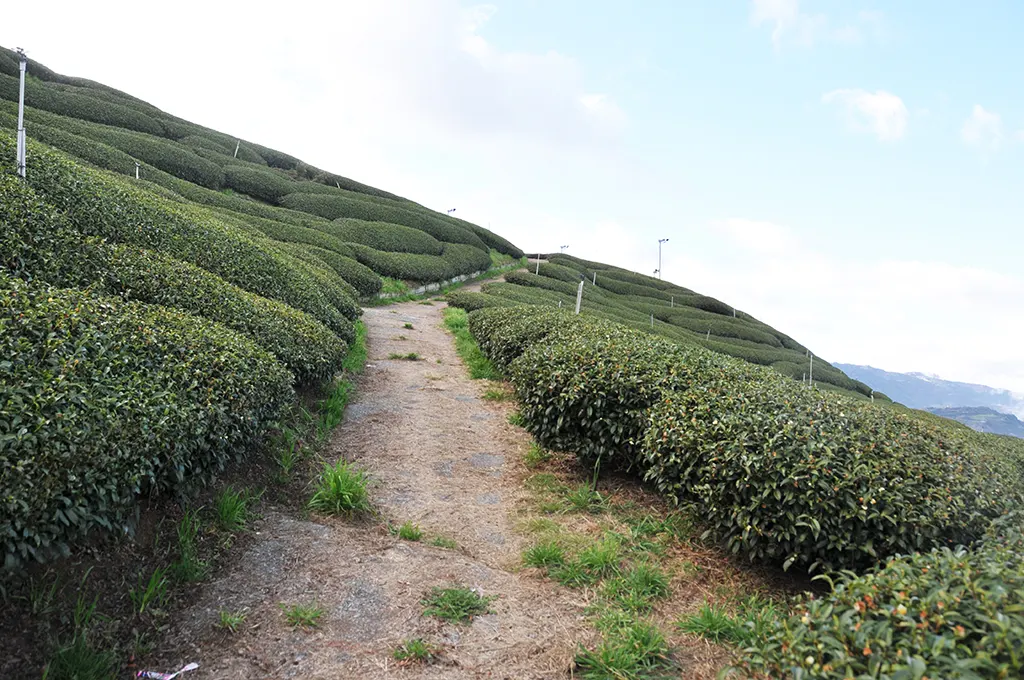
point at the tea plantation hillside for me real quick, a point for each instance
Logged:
(154, 328)
(664, 309)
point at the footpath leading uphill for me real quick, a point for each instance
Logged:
(439, 457)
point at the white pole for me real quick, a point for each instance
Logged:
(237, 144)
(538, 264)
(673, 302)
(579, 297)
(652, 321)
(810, 380)
(23, 65)
(595, 278)
(559, 304)
(137, 169)
(709, 335)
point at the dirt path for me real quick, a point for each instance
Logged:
(440, 457)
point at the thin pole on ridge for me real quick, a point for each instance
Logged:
(22, 67)
(810, 380)
(660, 241)
(238, 144)
(579, 293)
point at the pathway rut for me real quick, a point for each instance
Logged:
(440, 457)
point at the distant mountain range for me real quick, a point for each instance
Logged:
(983, 419)
(978, 406)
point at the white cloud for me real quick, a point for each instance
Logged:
(901, 315)
(880, 113)
(791, 25)
(983, 130)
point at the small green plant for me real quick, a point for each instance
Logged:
(630, 649)
(573, 574)
(411, 356)
(636, 589)
(76, 658)
(544, 556)
(332, 409)
(189, 568)
(232, 508)
(341, 490)
(41, 597)
(427, 302)
(410, 532)
(407, 326)
(583, 498)
(516, 418)
(496, 394)
(714, 623)
(444, 542)
(230, 621)
(400, 337)
(480, 368)
(602, 558)
(302, 614)
(536, 456)
(288, 451)
(459, 604)
(415, 651)
(151, 593)
(355, 360)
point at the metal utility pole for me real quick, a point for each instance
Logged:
(810, 380)
(238, 144)
(538, 264)
(660, 241)
(579, 293)
(22, 66)
(137, 166)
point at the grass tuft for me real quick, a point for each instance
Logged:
(497, 394)
(536, 456)
(189, 568)
(444, 542)
(411, 356)
(544, 556)
(630, 650)
(415, 651)
(458, 605)
(516, 418)
(407, 326)
(341, 490)
(230, 621)
(150, 594)
(582, 498)
(410, 532)
(636, 589)
(305, 615)
(456, 321)
(355, 360)
(232, 508)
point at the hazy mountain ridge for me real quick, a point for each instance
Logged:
(918, 390)
(983, 419)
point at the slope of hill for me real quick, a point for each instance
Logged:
(664, 309)
(983, 419)
(917, 390)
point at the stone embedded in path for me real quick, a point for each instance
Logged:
(359, 614)
(489, 498)
(486, 460)
(445, 468)
(481, 416)
(466, 397)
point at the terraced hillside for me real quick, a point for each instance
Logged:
(664, 309)
(154, 328)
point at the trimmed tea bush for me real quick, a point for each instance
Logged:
(492, 240)
(101, 205)
(555, 271)
(363, 280)
(308, 348)
(457, 259)
(781, 474)
(265, 184)
(470, 301)
(393, 238)
(39, 95)
(103, 400)
(332, 207)
(949, 613)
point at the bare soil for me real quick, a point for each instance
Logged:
(440, 457)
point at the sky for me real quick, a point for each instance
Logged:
(850, 172)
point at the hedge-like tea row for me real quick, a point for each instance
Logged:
(471, 301)
(103, 399)
(392, 238)
(333, 207)
(494, 241)
(458, 259)
(363, 280)
(38, 95)
(941, 614)
(781, 474)
(265, 184)
(36, 243)
(98, 204)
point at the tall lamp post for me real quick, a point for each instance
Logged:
(23, 64)
(561, 249)
(660, 241)
(451, 211)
